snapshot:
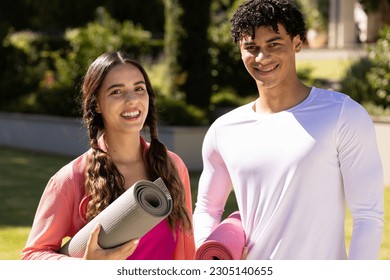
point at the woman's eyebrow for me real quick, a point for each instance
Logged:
(123, 85)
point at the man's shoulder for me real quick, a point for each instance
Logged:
(235, 114)
(329, 95)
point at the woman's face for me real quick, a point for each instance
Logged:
(123, 99)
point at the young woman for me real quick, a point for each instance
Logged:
(118, 102)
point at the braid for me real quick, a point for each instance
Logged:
(103, 181)
(160, 164)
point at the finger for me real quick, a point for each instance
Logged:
(130, 246)
(244, 253)
(93, 237)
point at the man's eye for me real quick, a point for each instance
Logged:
(251, 48)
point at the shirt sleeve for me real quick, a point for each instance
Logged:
(362, 175)
(214, 188)
(52, 222)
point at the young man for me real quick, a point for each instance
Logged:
(296, 157)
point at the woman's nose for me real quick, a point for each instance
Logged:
(130, 97)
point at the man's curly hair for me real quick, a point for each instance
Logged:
(253, 14)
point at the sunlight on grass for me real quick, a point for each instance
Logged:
(12, 241)
(325, 69)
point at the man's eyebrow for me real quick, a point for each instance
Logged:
(276, 38)
(252, 42)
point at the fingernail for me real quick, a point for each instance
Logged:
(136, 241)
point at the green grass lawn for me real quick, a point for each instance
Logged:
(23, 176)
(330, 69)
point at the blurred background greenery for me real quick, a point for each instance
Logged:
(47, 45)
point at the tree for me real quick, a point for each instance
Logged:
(381, 6)
(187, 47)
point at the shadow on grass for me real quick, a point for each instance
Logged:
(23, 177)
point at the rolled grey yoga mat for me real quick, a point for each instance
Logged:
(130, 216)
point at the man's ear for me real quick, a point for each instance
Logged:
(297, 42)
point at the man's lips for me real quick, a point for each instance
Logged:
(266, 69)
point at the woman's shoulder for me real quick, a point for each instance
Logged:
(72, 171)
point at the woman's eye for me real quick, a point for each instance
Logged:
(140, 90)
(115, 92)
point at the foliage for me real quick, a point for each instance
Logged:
(316, 13)
(178, 112)
(186, 47)
(368, 79)
(354, 83)
(173, 11)
(55, 70)
(24, 64)
(227, 98)
(227, 69)
(379, 75)
(102, 35)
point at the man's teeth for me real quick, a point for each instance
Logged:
(131, 114)
(269, 69)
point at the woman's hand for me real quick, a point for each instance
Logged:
(244, 253)
(95, 252)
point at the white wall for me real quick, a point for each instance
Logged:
(66, 136)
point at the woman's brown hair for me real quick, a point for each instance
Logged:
(103, 181)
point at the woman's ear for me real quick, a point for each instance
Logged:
(97, 109)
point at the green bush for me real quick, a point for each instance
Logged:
(23, 64)
(379, 75)
(355, 84)
(48, 69)
(368, 79)
(177, 112)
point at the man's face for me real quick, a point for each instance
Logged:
(270, 56)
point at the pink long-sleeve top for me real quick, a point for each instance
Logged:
(61, 213)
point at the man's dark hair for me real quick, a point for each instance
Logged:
(253, 14)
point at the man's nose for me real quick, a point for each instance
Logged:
(261, 56)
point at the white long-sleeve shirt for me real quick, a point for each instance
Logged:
(294, 173)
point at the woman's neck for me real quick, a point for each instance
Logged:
(124, 149)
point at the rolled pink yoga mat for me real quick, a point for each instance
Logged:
(226, 242)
